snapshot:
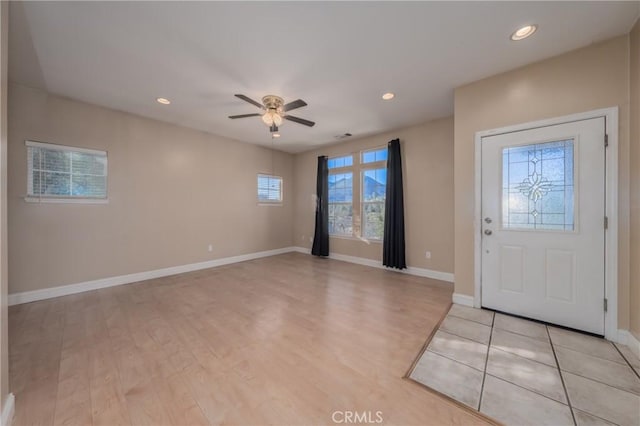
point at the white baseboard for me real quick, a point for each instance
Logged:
(8, 408)
(462, 299)
(420, 272)
(48, 293)
(627, 338)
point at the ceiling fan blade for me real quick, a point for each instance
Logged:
(233, 117)
(299, 120)
(251, 101)
(293, 105)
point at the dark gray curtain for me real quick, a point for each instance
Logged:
(393, 254)
(321, 235)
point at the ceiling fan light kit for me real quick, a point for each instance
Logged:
(275, 111)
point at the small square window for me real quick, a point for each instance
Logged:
(269, 189)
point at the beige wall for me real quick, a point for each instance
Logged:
(172, 191)
(634, 306)
(427, 156)
(586, 79)
(4, 333)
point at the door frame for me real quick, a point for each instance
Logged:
(611, 206)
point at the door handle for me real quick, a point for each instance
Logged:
(488, 219)
(488, 232)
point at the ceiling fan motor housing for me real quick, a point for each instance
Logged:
(273, 102)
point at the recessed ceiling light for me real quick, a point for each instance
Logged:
(275, 135)
(524, 32)
(163, 101)
(388, 96)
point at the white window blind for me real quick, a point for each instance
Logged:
(64, 172)
(269, 189)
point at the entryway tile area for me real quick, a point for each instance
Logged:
(521, 372)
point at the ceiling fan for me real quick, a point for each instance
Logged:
(275, 110)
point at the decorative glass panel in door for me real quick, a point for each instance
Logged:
(538, 186)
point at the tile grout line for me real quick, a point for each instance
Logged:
(600, 382)
(462, 337)
(576, 350)
(528, 390)
(454, 360)
(486, 361)
(467, 319)
(597, 380)
(598, 417)
(564, 386)
(524, 357)
(626, 360)
(520, 334)
(453, 333)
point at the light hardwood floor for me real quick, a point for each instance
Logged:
(282, 340)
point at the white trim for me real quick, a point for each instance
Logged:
(48, 293)
(477, 225)
(65, 290)
(627, 338)
(8, 409)
(36, 199)
(463, 299)
(623, 337)
(411, 270)
(64, 147)
(611, 243)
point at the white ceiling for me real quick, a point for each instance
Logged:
(339, 57)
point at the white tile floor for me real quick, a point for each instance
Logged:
(525, 373)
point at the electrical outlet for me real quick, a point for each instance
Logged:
(210, 248)
(427, 255)
(302, 239)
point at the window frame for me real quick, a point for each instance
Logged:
(378, 165)
(364, 151)
(357, 170)
(372, 165)
(339, 171)
(281, 190)
(30, 197)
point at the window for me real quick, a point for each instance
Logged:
(374, 155)
(337, 162)
(341, 204)
(341, 196)
(357, 208)
(538, 190)
(269, 189)
(373, 192)
(57, 172)
(374, 188)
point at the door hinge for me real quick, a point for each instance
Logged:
(606, 222)
(606, 140)
(606, 304)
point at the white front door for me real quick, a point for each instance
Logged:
(543, 231)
